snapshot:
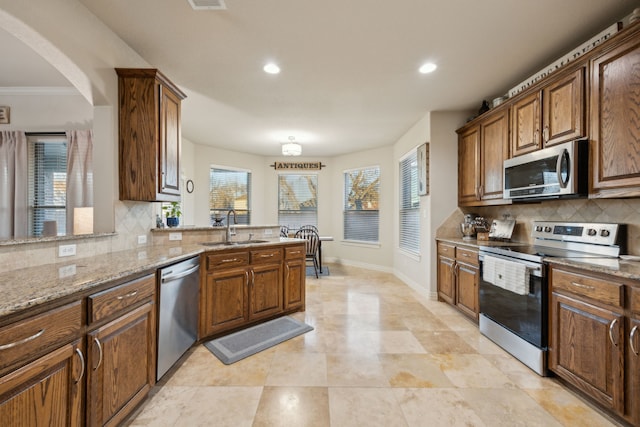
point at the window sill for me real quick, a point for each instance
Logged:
(361, 243)
(412, 255)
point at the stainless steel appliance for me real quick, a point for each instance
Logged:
(554, 172)
(516, 317)
(177, 312)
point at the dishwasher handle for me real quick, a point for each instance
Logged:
(172, 277)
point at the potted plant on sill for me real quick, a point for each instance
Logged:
(172, 213)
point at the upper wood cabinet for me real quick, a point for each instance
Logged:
(615, 121)
(149, 135)
(482, 149)
(549, 116)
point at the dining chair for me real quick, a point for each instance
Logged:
(311, 245)
(284, 231)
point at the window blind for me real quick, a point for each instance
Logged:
(47, 172)
(409, 204)
(297, 200)
(361, 204)
(230, 189)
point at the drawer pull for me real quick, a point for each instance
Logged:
(631, 337)
(266, 255)
(79, 353)
(580, 285)
(611, 325)
(129, 295)
(229, 260)
(22, 341)
(465, 255)
(97, 341)
(295, 252)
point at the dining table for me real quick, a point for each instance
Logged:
(322, 239)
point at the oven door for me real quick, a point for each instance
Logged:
(522, 315)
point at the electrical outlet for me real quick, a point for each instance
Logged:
(175, 236)
(142, 239)
(142, 255)
(66, 250)
(268, 232)
(66, 271)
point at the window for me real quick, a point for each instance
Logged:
(361, 203)
(230, 189)
(297, 200)
(409, 204)
(47, 182)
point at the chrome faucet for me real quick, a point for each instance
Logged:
(235, 221)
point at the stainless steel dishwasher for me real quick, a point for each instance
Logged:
(178, 312)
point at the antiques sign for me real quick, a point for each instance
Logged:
(281, 166)
(571, 56)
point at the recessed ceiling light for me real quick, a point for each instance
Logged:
(271, 68)
(428, 67)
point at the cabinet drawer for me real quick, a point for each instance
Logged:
(294, 252)
(261, 256)
(106, 303)
(597, 289)
(227, 260)
(467, 255)
(446, 250)
(20, 340)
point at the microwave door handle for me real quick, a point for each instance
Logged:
(561, 183)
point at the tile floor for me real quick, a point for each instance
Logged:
(380, 355)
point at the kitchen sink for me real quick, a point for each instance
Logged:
(234, 243)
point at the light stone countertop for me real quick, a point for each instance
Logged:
(612, 266)
(29, 287)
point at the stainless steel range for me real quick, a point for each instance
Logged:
(514, 288)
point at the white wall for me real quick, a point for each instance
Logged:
(46, 110)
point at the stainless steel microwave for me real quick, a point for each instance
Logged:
(554, 172)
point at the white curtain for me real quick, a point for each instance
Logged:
(13, 185)
(79, 172)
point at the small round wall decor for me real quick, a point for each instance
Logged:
(189, 186)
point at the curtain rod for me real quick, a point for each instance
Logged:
(45, 133)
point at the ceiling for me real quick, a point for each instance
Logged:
(349, 77)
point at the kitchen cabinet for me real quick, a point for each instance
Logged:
(149, 136)
(615, 128)
(458, 278)
(294, 277)
(47, 387)
(592, 341)
(482, 149)
(243, 286)
(121, 352)
(551, 115)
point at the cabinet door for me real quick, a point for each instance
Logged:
(469, 166)
(294, 284)
(615, 128)
(525, 125)
(224, 299)
(563, 109)
(587, 349)
(265, 293)
(46, 392)
(494, 151)
(633, 369)
(467, 289)
(446, 279)
(169, 143)
(121, 366)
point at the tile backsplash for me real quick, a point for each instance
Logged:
(623, 211)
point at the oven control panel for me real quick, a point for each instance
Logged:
(583, 232)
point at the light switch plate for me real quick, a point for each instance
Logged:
(175, 236)
(142, 239)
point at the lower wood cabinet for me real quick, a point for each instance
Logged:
(121, 366)
(243, 286)
(592, 341)
(459, 278)
(45, 392)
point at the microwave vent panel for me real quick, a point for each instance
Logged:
(208, 4)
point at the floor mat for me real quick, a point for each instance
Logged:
(244, 343)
